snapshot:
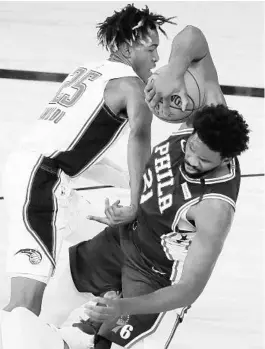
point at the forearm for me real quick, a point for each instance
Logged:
(188, 46)
(139, 149)
(165, 299)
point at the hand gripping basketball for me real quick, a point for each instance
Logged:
(160, 88)
(174, 100)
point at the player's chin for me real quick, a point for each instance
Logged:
(146, 75)
(153, 69)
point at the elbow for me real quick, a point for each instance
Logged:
(194, 30)
(192, 296)
(140, 134)
(193, 290)
(195, 41)
(191, 32)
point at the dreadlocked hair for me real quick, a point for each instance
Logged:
(129, 25)
(223, 130)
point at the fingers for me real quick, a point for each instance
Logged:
(108, 210)
(150, 95)
(166, 106)
(113, 210)
(112, 213)
(97, 313)
(149, 90)
(156, 99)
(107, 204)
(112, 294)
(103, 220)
(184, 100)
(109, 207)
(100, 310)
(116, 203)
(150, 84)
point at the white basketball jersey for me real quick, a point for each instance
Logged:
(68, 115)
(77, 127)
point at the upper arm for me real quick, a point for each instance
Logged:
(193, 43)
(213, 220)
(138, 112)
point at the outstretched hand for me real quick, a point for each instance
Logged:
(116, 214)
(161, 86)
(103, 309)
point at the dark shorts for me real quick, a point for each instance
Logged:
(111, 261)
(96, 264)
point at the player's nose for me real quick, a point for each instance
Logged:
(192, 160)
(156, 56)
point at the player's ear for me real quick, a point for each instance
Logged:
(226, 161)
(125, 49)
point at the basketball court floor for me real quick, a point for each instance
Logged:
(36, 36)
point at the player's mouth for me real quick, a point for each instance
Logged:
(190, 169)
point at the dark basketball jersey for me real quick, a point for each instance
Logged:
(163, 232)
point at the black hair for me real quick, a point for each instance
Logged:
(223, 130)
(128, 25)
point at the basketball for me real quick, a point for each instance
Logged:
(194, 85)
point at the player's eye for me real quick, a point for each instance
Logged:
(205, 161)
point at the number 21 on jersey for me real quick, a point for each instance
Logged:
(147, 191)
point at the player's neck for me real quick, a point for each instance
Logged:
(220, 171)
(216, 172)
(119, 58)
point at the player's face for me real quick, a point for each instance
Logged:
(144, 55)
(199, 159)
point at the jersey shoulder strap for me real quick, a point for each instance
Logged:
(112, 70)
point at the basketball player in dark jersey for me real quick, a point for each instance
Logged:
(163, 260)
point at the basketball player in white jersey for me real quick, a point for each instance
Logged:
(79, 124)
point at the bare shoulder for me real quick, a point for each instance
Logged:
(215, 205)
(212, 212)
(132, 85)
(119, 91)
(127, 84)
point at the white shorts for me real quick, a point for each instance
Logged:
(43, 209)
(61, 296)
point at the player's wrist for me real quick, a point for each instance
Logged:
(134, 209)
(126, 306)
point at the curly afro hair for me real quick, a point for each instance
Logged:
(223, 130)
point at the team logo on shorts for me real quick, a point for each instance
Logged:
(122, 321)
(35, 256)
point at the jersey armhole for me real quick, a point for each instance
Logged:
(119, 118)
